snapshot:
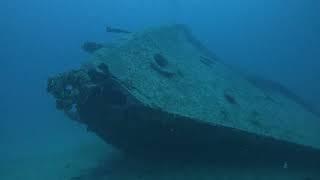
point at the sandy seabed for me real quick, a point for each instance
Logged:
(93, 159)
(74, 154)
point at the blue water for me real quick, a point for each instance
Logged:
(276, 39)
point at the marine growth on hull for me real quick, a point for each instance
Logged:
(160, 91)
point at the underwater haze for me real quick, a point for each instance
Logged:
(278, 40)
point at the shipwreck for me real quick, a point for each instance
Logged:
(160, 91)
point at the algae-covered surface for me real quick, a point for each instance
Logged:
(191, 82)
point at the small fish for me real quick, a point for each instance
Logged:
(285, 165)
(91, 47)
(116, 30)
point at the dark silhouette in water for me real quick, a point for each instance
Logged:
(117, 30)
